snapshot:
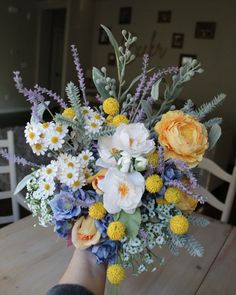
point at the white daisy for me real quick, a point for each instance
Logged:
(32, 133)
(96, 116)
(85, 157)
(49, 171)
(61, 130)
(47, 187)
(87, 112)
(69, 176)
(55, 141)
(80, 182)
(93, 126)
(39, 148)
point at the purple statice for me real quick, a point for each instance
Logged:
(16, 159)
(79, 70)
(156, 76)
(33, 96)
(62, 228)
(85, 198)
(143, 234)
(102, 224)
(184, 168)
(51, 94)
(141, 84)
(105, 252)
(161, 160)
(64, 206)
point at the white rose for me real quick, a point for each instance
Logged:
(140, 163)
(124, 162)
(122, 191)
(133, 139)
(106, 151)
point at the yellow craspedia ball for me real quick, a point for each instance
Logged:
(154, 183)
(153, 158)
(111, 106)
(115, 274)
(120, 119)
(97, 211)
(173, 195)
(69, 113)
(179, 225)
(109, 118)
(116, 230)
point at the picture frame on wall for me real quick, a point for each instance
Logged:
(164, 16)
(205, 30)
(184, 58)
(177, 40)
(111, 59)
(125, 15)
(103, 38)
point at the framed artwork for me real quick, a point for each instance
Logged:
(164, 16)
(177, 40)
(205, 30)
(111, 59)
(184, 58)
(103, 38)
(125, 15)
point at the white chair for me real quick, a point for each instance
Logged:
(213, 168)
(11, 170)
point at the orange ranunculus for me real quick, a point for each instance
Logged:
(182, 137)
(95, 178)
(85, 233)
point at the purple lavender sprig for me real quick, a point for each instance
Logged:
(33, 96)
(79, 70)
(161, 160)
(16, 159)
(51, 94)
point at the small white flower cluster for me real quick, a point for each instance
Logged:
(45, 136)
(93, 120)
(39, 207)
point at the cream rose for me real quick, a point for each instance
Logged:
(182, 137)
(85, 233)
(122, 191)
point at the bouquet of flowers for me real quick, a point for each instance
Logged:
(117, 178)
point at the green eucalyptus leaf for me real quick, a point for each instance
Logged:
(115, 46)
(214, 135)
(22, 184)
(147, 108)
(132, 222)
(155, 90)
(99, 83)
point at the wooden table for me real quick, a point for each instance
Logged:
(32, 259)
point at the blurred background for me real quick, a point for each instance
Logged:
(36, 37)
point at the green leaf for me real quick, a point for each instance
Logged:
(132, 222)
(98, 81)
(155, 90)
(115, 46)
(147, 108)
(22, 184)
(40, 110)
(214, 135)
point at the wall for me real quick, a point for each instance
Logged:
(17, 50)
(217, 56)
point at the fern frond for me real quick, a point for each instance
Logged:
(198, 220)
(72, 92)
(193, 246)
(208, 107)
(67, 122)
(107, 131)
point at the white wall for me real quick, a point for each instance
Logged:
(217, 56)
(17, 51)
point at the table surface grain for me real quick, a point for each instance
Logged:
(32, 259)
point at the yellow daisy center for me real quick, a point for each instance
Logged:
(38, 146)
(47, 186)
(54, 139)
(45, 125)
(48, 171)
(69, 175)
(59, 129)
(31, 135)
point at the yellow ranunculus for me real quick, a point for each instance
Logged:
(182, 137)
(95, 178)
(187, 203)
(85, 233)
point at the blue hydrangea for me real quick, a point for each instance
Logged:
(86, 198)
(64, 206)
(62, 228)
(102, 224)
(105, 252)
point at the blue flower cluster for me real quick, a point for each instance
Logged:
(67, 205)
